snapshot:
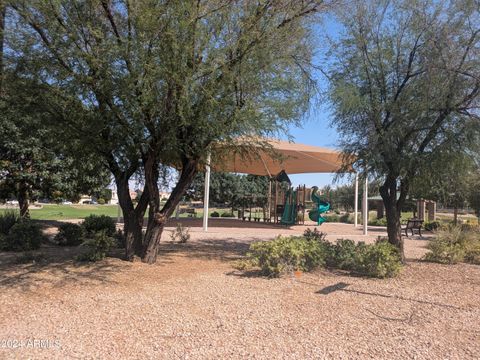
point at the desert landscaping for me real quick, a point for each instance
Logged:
(194, 304)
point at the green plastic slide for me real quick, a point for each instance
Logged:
(289, 215)
(320, 207)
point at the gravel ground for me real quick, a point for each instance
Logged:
(193, 304)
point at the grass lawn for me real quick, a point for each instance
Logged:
(64, 212)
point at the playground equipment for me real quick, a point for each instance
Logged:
(320, 207)
(284, 204)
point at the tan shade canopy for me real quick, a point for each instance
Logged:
(292, 157)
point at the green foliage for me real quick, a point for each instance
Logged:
(98, 246)
(7, 220)
(23, 236)
(181, 234)
(378, 222)
(383, 69)
(431, 225)
(227, 215)
(69, 234)
(286, 254)
(380, 260)
(346, 218)
(314, 235)
(96, 223)
(343, 254)
(454, 244)
(215, 214)
(101, 201)
(332, 217)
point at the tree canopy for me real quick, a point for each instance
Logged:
(405, 83)
(159, 82)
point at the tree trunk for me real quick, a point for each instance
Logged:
(158, 218)
(23, 198)
(388, 191)
(132, 219)
(455, 215)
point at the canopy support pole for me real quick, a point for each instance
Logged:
(206, 194)
(355, 213)
(365, 206)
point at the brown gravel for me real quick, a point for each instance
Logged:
(193, 304)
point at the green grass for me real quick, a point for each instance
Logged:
(63, 212)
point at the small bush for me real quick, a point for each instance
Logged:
(378, 222)
(332, 217)
(98, 247)
(23, 236)
(286, 254)
(180, 234)
(346, 218)
(431, 226)
(314, 235)
(343, 254)
(455, 244)
(215, 214)
(7, 220)
(227, 215)
(379, 260)
(69, 235)
(101, 201)
(96, 223)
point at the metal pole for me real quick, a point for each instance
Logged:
(355, 221)
(206, 195)
(365, 206)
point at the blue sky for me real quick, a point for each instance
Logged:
(316, 129)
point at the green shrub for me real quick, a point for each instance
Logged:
(101, 201)
(227, 215)
(180, 234)
(96, 223)
(455, 244)
(7, 220)
(98, 247)
(378, 222)
(23, 236)
(314, 235)
(69, 234)
(342, 255)
(215, 214)
(346, 218)
(378, 260)
(286, 254)
(332, 217)
(431, 226)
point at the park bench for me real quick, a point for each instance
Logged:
(414, 225)
(191, 212)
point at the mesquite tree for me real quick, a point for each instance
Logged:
(161, 81)
(405, 82)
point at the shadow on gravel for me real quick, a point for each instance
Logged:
(55, 266)
(341, 286)
(224, 250)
